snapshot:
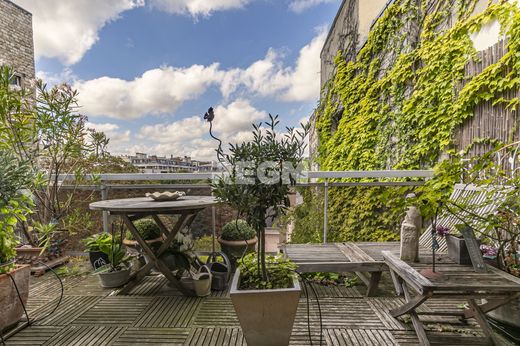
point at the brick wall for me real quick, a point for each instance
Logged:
(16, 39)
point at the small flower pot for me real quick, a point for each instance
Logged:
(11, 308)
(235, 249)
(457, 250)
(266, 316)
(114, 279)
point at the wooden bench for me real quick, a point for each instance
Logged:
(456, 281)
(365, 258)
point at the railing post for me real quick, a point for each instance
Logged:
(325, 209)
(106, 217)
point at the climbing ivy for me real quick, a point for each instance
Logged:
(398, 104)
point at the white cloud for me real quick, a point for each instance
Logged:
(196, 7)
(157, 91)
(175, 132)
(229, 124)
(189, 136)
(68, 29)
(164, 90)
(268, 77)
(299, 6)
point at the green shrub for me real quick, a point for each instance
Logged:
(238, 230)
(147, 228)
(280, 272)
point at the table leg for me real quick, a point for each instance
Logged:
(375, 277)
(490, 305)
(417, 324)
(482, 321)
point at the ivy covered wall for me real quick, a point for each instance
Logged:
(398, 104)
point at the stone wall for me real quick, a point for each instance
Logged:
(16, 39)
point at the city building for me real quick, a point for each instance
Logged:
(162, 164)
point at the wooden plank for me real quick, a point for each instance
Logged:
(417, 324)
(353, 253)
(482, 321)
(474, 250)
(340, 267)
(408, 274)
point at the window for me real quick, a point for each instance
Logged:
(16, 80)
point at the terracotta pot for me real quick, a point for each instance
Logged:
(135, 244)
(12, 309)
(266, 316)
(236, 248)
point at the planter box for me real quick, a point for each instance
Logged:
(266, 316)
(457, 250)
(11, 309)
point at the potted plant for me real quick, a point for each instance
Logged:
(237, 239)
(14, 206)
(457, 249)
(117, 272)
(265, 290)
(93, 245)
(149, 231)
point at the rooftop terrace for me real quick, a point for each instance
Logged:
(154, 314)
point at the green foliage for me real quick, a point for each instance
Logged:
(397, 105)
(280, 273)
(205, 243)
(147, 228)
(116, 253)
(237, 230)
(97, 241)
(268, 155)
(14, 204)
(307, 217)
(331, 279)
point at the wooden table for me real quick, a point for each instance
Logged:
(132, 209)
(459, 281)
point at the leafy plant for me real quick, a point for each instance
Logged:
(147, 228)
(397, 103)
(42, 127)
(269, 156)
(117, 257)
(14, 205)
(237, 230)
(96, 242)
(281, 272)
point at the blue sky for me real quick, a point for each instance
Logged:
(147, 70)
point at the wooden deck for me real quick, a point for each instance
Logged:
(155, 314)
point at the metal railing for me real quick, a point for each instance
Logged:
(325, 179)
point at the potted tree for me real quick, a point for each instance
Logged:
(14, 206)
(265, 290)
(237, 239)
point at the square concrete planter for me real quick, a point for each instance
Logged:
(11, 309)
(266, 316)
(457, 250)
